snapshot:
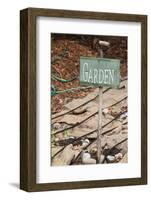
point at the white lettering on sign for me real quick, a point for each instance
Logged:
(85, 71)
(95, 75)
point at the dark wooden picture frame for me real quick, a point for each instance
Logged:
(28, 98)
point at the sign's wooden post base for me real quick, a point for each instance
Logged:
(100, 72)
(100, 105)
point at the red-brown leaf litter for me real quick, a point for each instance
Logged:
(66, 50)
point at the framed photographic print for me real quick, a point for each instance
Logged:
(83, 99)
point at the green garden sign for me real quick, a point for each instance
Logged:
(99, 71)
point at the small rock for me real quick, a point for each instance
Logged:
(85, 143)
(86, 158)
(79, 111)
(56, 139)
(124, 116)
(110, 159)
(118, 156)
(86, 155)
(105, 111)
